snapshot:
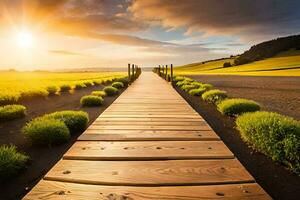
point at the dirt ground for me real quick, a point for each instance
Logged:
(42, 158)
(278, 94)
(275, 179)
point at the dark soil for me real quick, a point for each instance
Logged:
(278, 94)
(42, 158)
(274, 178)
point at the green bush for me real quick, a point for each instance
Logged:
(234, 107)
(9, 98)
(273, 134)
(46, 131)
(10, 112)
(91, 100)
(206, 86)
(117, 85)
(76, 121)
(99, 93)
(11, 162)
(123, 80)
(110, 91)
(214, 96)
(197, 91)
(30, 94)
(52, 90)
(187, 88)
(79, 86)
(178, 78)
(65, 88)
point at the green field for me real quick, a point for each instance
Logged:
(14, 85)
(284, 64)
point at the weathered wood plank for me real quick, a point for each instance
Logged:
(150, 173)
(160, 150)
(54, 190)
(151, 123)
(146, 135)
(145, 115)
(148, 127)
(149, 119)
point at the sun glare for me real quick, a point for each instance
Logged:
(25, 39)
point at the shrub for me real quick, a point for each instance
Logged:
(186, 81)
(9, 98)
(52, 89)
(46, 131)
(206, 86)
(91, 100)
(123, 80)
(214, 96)
(30, 94)
(178, 78)
(226, 64)
(118, 85)
(110, 91)
(234, 107)
(11, 162)
(273, 134)
(99, 93)
(65, 88)
(76, 121)
(187, 88)
(10, 112)
(79, 86)
(197, 91)
(195, 83)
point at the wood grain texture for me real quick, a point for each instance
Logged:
(54, 190)
(148, 127)
(160, 150)
(150, 173)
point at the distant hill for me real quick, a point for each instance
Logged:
(268, 49)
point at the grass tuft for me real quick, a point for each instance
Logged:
(99, 93)
(110, 91)
(10, 112)
(197, 91)
(214, 96)
(52, 90)
(46, 131)
(65, 88)
(11, 162)
(79, 86)
(117, 85)
(233, 107)
(31, 94)
(273, 134)
(91, 100)
(76, 121)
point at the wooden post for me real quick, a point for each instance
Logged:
(132, 69)
(159, 70)
(166, 75)
(171, 73)
(129, 71)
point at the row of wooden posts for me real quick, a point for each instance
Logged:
(133, 71)
(162, 71)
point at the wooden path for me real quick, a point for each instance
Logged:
(149, 144)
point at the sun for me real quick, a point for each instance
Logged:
(25, 39)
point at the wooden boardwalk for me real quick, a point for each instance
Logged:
(149, 144)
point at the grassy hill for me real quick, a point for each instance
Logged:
(286, 63)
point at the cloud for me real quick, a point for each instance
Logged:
(64, 52)
(217, 17)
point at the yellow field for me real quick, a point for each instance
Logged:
(14, 84)
(285, 64)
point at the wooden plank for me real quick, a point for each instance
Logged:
(147, 127)
(160, 150)
(149, 119)
(151, 123)
(150, 173)
(145, 115)
(54, 190)
(147, 135)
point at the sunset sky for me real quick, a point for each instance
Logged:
(56, 34)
